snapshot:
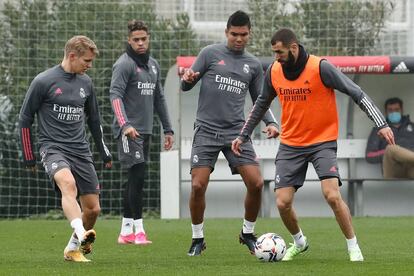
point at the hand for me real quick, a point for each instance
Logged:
(236, 146)
(387, 134)
(271, 131)
(131, 132)
(168, 141)
(190, 76)
(108, 165)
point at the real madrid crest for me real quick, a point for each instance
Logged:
(246, 68)
(82, 93)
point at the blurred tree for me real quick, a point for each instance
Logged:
(329, 27)
(267, 17)
(346, 28)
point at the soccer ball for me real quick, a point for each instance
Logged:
(270, 247)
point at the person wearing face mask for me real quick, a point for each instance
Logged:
(304, 85)
(228, 73)
(136, 93)
(397, 160)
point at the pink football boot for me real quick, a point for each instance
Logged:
(141, 238)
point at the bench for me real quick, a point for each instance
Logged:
(353, 168)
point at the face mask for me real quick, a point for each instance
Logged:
(394, 117)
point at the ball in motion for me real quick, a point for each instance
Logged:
(270, 247)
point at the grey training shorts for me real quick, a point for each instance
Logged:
(133, 151)
(82, 169)
(208, 143)
(292, 163)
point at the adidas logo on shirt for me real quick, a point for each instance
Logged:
(401, 68)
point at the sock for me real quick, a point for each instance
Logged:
(248, 226)
(352, 243)
(299, 239)
(126, 227)
(139, 226)
(198, 230)
(73, 243)
(77, 226)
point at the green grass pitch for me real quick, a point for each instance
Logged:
(35, 247)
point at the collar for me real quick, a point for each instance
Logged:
(141, 60)
(294, 71)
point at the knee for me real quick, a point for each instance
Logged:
(333, 198)
(255, 186)
(283, 204)
(92, 212)
(198, 188)
(68, 187)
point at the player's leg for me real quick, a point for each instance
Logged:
(90, 212)
(131, 156)
(291, 167)
(284, 203)
(67, 186)
(330, 190)
(88, 188)
(204, 153)
(247, 166)
(199, 182)
(90, 209)
(326, 166)
(138, 176)
(254, 183)
(65, 181)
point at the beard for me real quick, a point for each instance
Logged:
(290, 62)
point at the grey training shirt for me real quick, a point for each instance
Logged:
(226, 78)
(62, 101)
(332, 78)
(135, 92)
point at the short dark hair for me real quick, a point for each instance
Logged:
(393, 101)
(137, 25)
(239, 19)
(284, 35)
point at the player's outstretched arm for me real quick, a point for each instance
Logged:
(387, 134)
(333, 78)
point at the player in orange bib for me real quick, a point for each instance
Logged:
(304, 85)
